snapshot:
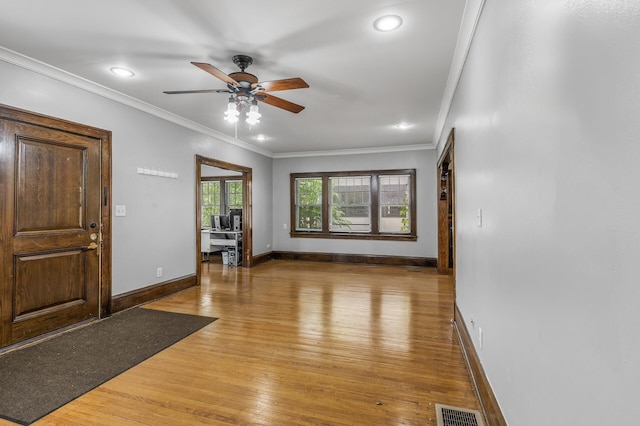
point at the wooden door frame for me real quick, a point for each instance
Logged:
(104, 138)
(447, 203)
(247, 207)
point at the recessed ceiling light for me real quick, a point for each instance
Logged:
(122, 72)
(403, 126)
(387, 23)
(261, 138)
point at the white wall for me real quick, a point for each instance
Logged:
(546, 117)
(423, 161)
(159, 229)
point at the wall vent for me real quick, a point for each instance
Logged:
(454, 416)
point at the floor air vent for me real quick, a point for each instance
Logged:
(454, 416)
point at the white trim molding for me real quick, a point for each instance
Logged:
(50, 71)
(355, 151)
(470, 19)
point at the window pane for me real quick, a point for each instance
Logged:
(308, 204)
(350, 204)
(234, 195)
(394, 203)
(210, 201)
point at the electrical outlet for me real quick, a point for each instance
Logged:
(159, 272)
(121, 210)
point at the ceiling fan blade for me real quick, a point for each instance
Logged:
(215, 72)
(280, 103)
(180, 92)
(285, 84)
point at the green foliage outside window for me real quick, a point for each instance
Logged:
(378, 204)
(404, 213)
(210, 201)
(234, 195)
(219, 197)
(309, 204)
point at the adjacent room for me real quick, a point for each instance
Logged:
(365, 212)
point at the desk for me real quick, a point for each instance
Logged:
(212, 238)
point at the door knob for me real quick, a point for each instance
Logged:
(92, 246)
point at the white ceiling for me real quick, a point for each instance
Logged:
(362, 82)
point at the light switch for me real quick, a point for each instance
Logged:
(121, 210)
(479, 218)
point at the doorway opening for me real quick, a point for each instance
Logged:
(209, 170)
(446, 209)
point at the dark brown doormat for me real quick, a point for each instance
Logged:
(39, 379)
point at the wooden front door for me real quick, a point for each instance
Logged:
(50, 230)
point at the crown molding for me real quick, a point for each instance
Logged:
(379, 150)
(470, 19)
(463, 45)
(65, 77)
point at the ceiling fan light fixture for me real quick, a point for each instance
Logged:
(231, 114)
(387, 23)
(253, 116)
(122, 72)
(246, 91)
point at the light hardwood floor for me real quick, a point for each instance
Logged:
(296, 343)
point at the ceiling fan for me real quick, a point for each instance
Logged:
(245, 89)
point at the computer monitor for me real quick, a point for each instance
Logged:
(224, 222)
(235, 219)
(219, 222)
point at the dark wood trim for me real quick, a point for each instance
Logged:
(355, 173)
(105, 247)
(216, 178)
(446, 208)
(488, 400)
(353, 236)
(262, 258)
(326, 212)
(375, 202)
(247, 207)
(356, 258)
(17, 114)
(247, 218)
(147, 294)
(198, 218)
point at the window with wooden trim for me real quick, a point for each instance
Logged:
(356, 205)
(350, 203)
(219, 196)
(308, 204)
